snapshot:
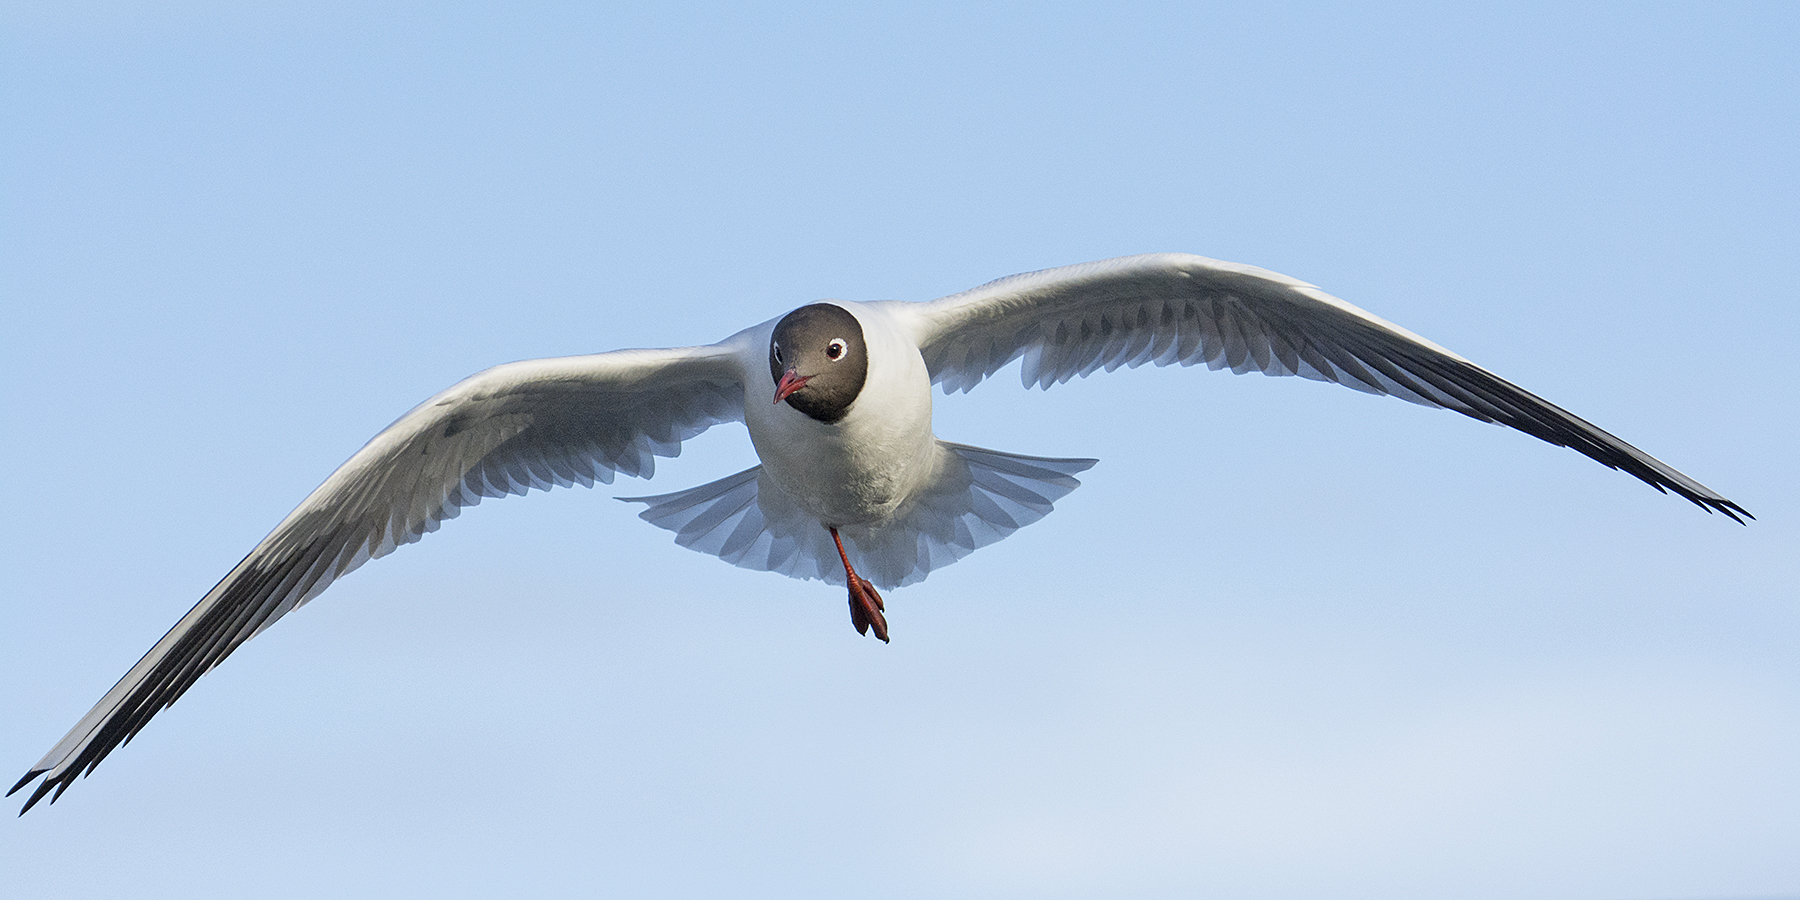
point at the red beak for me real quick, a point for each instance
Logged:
(789, 383)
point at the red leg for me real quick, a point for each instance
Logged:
(865, 603)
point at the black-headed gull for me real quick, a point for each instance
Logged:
(837, 399)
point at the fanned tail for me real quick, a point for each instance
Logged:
(979, 497)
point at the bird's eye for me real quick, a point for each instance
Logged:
(836, 348)
(776, 348)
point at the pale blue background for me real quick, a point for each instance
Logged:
(1287, 641)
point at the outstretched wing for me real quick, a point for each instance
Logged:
(1176, 308)
(508, 430)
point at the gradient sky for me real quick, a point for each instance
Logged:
(1286, 641)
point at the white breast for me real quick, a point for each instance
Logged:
(859, 469)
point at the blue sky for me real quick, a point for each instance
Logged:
(1287, 640)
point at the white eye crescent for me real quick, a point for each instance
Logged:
(777, 349)
(836, 348)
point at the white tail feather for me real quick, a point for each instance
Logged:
(980, 497)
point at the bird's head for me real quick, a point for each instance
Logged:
(818, 360)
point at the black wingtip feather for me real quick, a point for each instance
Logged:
(38, 794)
(1730, 509)
(25, 781)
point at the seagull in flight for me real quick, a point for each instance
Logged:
(853, 487)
